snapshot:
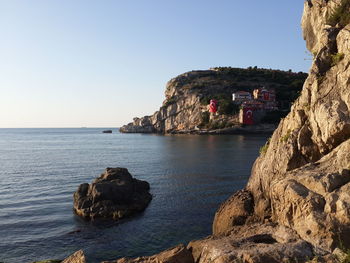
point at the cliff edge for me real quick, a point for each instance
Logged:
(301, 181)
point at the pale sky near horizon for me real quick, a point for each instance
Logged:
(82, 63)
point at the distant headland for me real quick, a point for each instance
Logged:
(223, 100)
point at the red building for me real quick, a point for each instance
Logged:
(246, 116)
(264, 94)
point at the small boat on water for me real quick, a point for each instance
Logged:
(107, 131)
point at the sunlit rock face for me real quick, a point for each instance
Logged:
(302, 180)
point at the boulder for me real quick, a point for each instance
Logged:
(115, 194)
(178, 254)
(234, 211)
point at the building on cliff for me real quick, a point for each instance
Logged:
(241, 96)
(264, 94)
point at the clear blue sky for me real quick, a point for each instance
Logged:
(72, 63)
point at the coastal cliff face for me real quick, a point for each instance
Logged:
(187, 97)
(302, 180)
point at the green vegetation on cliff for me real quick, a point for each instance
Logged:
(340, 15)
(226, 105)
(286, 83)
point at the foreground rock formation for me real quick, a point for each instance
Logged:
(187, 97)
(302, 181)
(115, 194)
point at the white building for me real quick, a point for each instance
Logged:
(241, 96)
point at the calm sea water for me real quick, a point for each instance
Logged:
(41, 168)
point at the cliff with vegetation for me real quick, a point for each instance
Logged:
(187, 97)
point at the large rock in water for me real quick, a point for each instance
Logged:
(115, 194)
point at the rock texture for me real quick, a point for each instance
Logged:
(115, 194)
(77, 257)
(255, 243)
(186, 97)
(178, 254)
(302, 181)
(233, 212)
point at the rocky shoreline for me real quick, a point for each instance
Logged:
(239, 129)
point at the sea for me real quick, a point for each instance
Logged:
(190, 176)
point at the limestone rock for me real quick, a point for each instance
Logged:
(77, 257)
(178, 254)
(233, 212)
(115, 194)
(256, 243)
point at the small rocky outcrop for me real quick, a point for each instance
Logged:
(115, 194)
(178, 254)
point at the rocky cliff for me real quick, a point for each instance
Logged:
(296, 205)
(187, 97)
(302, 179)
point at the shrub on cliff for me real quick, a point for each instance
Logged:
(227, 107)
(340, 15)
(205, 116)
(170, 101)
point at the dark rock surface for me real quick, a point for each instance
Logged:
(115, 194)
